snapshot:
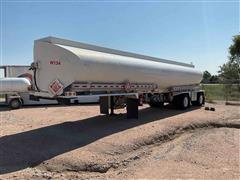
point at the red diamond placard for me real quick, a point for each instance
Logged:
(56, 87)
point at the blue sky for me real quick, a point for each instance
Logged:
(198, 32)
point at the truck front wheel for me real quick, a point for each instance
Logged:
(15, 103)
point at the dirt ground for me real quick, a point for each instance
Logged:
(75, 142)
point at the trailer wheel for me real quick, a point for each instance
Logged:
(200, 100)
(185, 102)
(182, 101)
(15, 103)
(154, 103)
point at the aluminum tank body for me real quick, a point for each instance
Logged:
(69, 61)
(8, 85)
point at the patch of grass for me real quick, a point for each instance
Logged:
(229, 92)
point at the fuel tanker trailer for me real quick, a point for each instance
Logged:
(65, 69)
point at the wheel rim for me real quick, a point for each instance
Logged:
(200, 99)
(185, 102)
(15, 104)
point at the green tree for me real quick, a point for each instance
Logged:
(230, 71)
(206, 77)
(214, 79)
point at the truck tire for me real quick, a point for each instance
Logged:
(184, 101)
(156, 104)
(181, 101)
(200, 100)
(15, 103)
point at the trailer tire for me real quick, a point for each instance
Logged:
(200, 100)
(15, 103)
(156, 104)
(182, 101)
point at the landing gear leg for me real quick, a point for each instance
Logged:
(111, 105)
(132, 108)
(104, 105)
